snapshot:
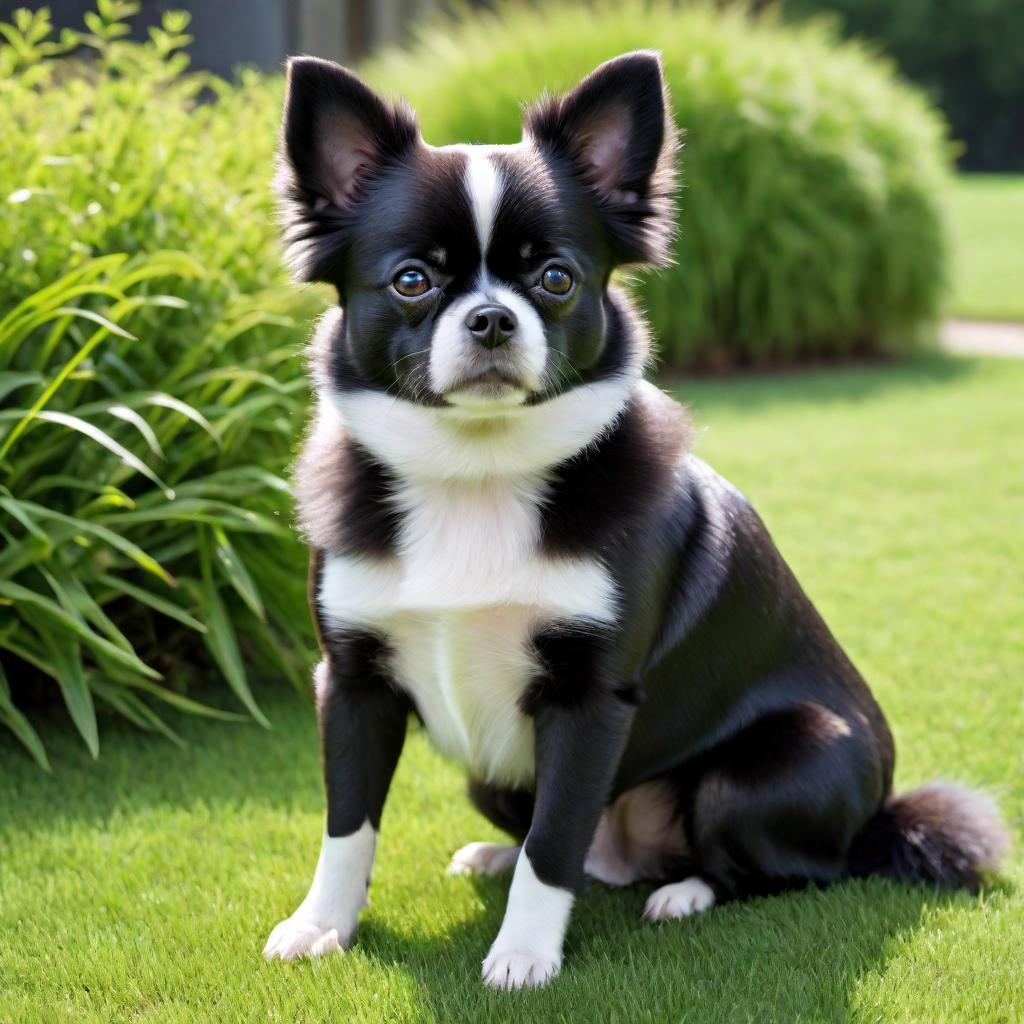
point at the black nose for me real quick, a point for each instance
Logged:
(491, 325)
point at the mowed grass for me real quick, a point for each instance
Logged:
(987, 220)
(142, 887)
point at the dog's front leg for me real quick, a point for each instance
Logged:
(362, 729)
(578, 745)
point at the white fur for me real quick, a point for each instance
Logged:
(530, 345)
(483, 859)
(450, 343)
(326, 919)
(370, 592)
(680, 899)
(458, 606)
(453, 350)
(483, 184)
(451, 346)
(469, 585)
(466, 672)
(419, 441)
(528, 949)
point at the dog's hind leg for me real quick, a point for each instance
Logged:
(509, 809)
(778, 804)
(483, 859)
(679, 899)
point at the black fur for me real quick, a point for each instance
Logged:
(344, 498)
(330, 113)
(578, 743)
(601, 496)
(633, 179)
(362, 728)
(941, 834)
(509, 808)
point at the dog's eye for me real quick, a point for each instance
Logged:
(557, 280)
(411, 283)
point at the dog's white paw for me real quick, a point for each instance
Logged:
(680, 899)
(483, 859)
(299, 936)
(519, 968)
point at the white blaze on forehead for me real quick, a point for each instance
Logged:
(483, 185)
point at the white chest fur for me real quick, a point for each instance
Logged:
(459, 604)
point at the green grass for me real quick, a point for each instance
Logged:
(987, 221)
(141, 887)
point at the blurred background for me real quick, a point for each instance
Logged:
(844, 318)
(967, 57)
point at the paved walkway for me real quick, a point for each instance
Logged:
(983, 338)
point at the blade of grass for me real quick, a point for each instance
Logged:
(66, 658)
(115, 540)
(16, 721)
(100, 437)
(221, 640)
(135, 710)
(26, 600)
(238, 575)
(154, 601)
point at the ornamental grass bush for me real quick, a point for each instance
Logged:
(810, 223)
(151, 387)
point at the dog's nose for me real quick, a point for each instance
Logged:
(492, 325)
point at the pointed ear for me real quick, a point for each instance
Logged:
(616, 131)
(337, 135)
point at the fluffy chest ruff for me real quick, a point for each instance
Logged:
(458, 605)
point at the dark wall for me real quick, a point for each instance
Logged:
(967, 54)
(261, 32)
(227, 32)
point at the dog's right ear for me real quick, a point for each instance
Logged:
(337, 136)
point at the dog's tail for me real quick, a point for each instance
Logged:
(941, 834)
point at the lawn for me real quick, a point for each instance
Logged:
(987, 220)
(142, 887)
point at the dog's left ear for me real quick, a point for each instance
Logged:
(616, 131)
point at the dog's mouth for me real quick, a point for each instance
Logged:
(493, 388)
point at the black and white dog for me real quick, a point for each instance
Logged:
(512, 542)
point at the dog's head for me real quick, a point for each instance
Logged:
(476, 277)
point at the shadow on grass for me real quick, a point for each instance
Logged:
(221, 763)
(796, 957)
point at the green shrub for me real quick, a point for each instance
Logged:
(150, 382)
(810, 224)
(969, 57)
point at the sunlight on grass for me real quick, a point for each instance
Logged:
(987, 215)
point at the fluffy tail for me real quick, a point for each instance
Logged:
(942, 834)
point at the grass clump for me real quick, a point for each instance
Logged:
(810, 224)
(149, 379)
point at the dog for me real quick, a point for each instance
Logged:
(512, 542)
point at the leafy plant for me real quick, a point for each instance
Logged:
(150, 387)
(810, 218)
